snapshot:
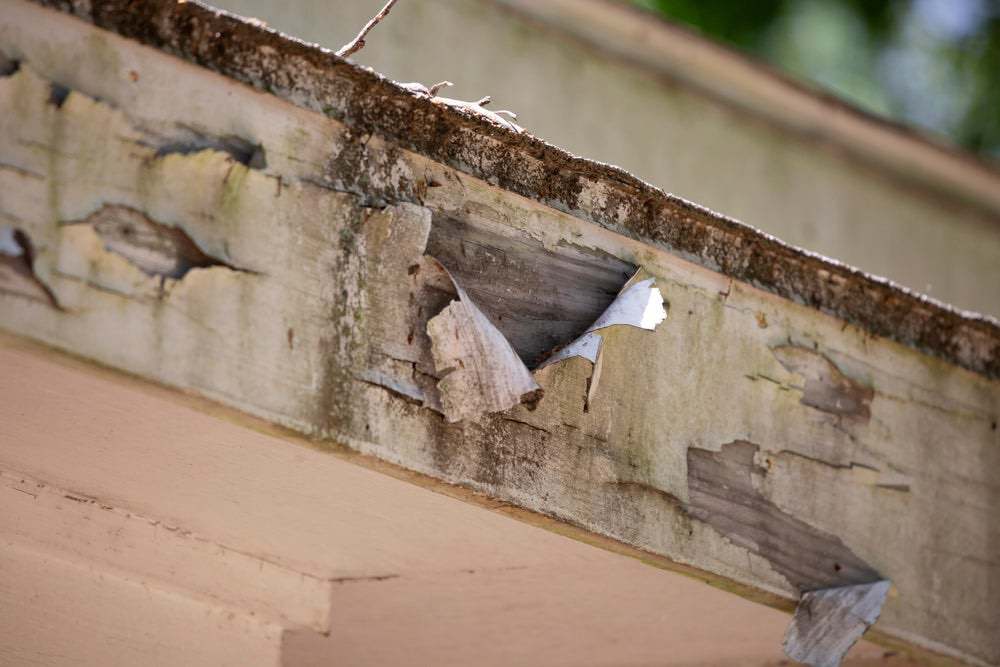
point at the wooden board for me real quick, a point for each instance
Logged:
(304, 317)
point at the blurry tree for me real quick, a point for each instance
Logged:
(934, 64)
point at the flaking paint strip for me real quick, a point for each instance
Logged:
(826, 387)
(480, 371)
(828, 622)
(638, 304)
(154, 248)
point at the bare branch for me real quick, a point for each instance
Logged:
(358, 42)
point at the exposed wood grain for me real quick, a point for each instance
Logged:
(539, 298)
(639, 304)
(480, 371)
(724, 495)
(828, 622)
(826, 388)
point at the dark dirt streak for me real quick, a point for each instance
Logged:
(190, 140)
(23, 266)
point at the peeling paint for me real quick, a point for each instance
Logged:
(370, 104)
(155, 248)
(827, 623)
(353, 282)
(639, 304)
(723, 493)
(17, 268)
(540, 298)
(826, 387)
(480, 371)
(188, 140)
(861, 473)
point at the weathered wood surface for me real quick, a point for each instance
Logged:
(153, 530)
(371, 105)
(480, 372)
(723, 491)
(828, 622)
(540, 298)
(608, 81)
(312, 318)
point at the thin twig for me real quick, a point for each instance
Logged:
(358, 42)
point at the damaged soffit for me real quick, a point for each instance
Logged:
(317, 79)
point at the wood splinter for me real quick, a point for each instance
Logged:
(828, 622)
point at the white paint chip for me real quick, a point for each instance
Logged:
(828, 622)
(639, 304)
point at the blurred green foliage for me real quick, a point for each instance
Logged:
(933, 64)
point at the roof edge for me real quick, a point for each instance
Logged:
(316, 79)
(672, 49)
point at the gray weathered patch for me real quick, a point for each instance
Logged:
(826, 387)
(722, 493)
(827, 623)
(538, 298)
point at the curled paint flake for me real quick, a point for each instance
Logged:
(828, 622)
(480, 371)
(639, 304)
